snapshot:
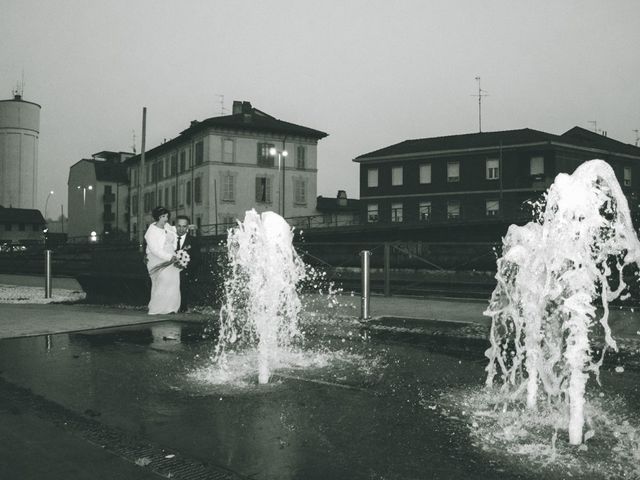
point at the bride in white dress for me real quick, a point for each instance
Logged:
(165, 282)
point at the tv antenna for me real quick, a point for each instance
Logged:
(637, 132)
(222, 109)
(481, 93)
(595, 125)
(19, 90)
(133, 140)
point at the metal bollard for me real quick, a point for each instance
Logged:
(365, 256)
(47, 274)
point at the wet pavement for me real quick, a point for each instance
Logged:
(84, 385)
(372, 410)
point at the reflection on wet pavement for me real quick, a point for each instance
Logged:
(346, 407)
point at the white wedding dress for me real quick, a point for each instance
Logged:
(165, 283)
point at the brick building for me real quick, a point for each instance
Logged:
(481, 179)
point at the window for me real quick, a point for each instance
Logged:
(300, 191)
(188, 193)
(174, 164)
(227, 150)
(199, 152)
(263, 190)
(453, 209)
(183, 161)
(372, 177)
(493, 169)
(453, 171)
(197, 189)
(159, 197)
(174, 200)
(134, 204)
(627, 176)
(396, 176)
(133, 175)
(372, 213)
(424, 211)
(425, 173)
(147, 167)
(492, 208)
(265, 159)
(166, 196)
(301, 157)
(396, 212)
(228, 188)
(536, 166)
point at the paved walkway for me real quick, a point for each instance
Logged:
(32, 448)
(28, 319)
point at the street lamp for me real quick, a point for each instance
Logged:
(46, 203)
(84, 192)
(282, 154)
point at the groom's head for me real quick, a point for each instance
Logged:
(182, 224)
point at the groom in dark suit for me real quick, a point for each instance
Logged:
(188, 242)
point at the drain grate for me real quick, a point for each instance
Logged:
(126, 446)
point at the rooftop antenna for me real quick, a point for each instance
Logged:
(637, 132)
(222, 109)
(595, 125)
(19, 90)
(481, 93)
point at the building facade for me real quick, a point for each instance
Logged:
(23, 226)
(218, 168)
(98, 197)
(19, 132)
(481, 178)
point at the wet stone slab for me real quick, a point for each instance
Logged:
(351, 407)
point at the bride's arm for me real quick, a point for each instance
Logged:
(155, 243)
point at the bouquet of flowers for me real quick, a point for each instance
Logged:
(182, 259)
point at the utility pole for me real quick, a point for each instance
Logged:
(481, 93)
(141, 213)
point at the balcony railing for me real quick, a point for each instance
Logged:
(356, 219)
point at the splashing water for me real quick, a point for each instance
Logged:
(261, 302)
(550, 273)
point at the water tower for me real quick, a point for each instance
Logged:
(19, 131)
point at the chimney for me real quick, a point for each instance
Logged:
(237, 107)
(193, 124)
(342, 198)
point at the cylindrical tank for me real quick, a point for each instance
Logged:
(19, 131)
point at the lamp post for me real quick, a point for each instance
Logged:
(46, 203)
(84, 192)
(282, 154)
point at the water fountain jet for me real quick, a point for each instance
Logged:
(548, 277)
(261, 305)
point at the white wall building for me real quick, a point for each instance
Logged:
(19, 131)
(98, 194)
(220, 167)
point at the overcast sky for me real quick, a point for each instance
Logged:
(369, 73)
